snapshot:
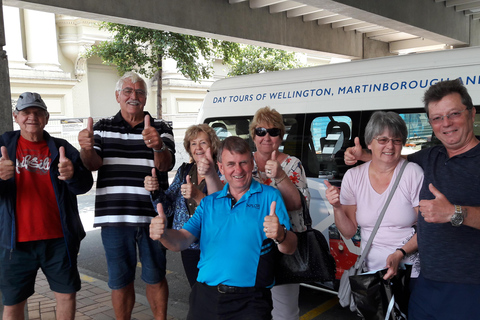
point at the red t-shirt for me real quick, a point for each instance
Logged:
(37, 214)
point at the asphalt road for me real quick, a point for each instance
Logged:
(313, 304)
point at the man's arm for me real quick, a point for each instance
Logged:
(163, 158)
(79, 179)
(175, 240)
(286, 240)
(440, 210)
(90, 158)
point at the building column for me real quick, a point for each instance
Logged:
(6, 121)
(14, 38)
(41, 40)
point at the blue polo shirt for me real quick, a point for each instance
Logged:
(233, 247)
(447, 253)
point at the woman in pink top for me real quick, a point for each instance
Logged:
(365, 189)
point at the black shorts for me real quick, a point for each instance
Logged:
(18, 269)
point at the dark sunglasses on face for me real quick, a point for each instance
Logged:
(273, 132)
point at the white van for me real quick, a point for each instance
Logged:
(325, 107)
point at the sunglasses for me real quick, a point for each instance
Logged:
(273, 132)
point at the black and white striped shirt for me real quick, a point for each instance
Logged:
(121, 198)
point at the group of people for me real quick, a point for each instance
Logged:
(231, 211)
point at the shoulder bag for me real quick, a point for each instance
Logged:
(312, 261)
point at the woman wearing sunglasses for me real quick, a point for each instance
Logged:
(285, 173)
(365, 189)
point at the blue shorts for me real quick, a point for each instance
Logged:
(120, 244)
(18, 269)
(435, 300)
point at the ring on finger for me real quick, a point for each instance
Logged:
(149, 140)
(269, 171)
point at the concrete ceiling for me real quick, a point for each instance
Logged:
(343, 28)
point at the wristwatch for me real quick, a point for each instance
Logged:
(458, 216)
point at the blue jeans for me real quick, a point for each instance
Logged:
(120, 244)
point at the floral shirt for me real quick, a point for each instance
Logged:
(174, 204)
(294, 170)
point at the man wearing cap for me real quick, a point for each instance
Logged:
(40, 227)
(123, 149)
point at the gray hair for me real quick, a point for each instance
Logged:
(234, 145)
(133, 77)
(381, 121)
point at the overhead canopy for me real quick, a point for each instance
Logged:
(345, 28)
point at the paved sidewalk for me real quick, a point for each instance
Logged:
(93, 302)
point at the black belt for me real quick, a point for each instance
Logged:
(229, 289)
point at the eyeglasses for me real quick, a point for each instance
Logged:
(273, 132)
(129, 91)
(451, 116)
(385, 140)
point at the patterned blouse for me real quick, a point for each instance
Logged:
(294, 170)
(174, 204)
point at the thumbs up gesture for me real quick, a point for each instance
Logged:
(158, 225)
(7, 168)
(273, 168)
(333, 194)
(85, 137)
(438, 210)
(188, 190)
(353, 154)
(150, 135)
(206, 165)
(65, 166)
(271, 225)
(151, 182)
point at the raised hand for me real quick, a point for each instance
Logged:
(151, 136)
(158, 225)
(65, 166)
(273, 169)
(85, 137)
(188, 190)
(151, 182)
(206, 165)
(332, 194)
(353, 154)
(438, 210)
(271, 225)
(7, 168)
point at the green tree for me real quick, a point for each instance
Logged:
(252, 59)
(142, 50)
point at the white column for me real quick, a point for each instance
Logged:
(13, 38)
(41, 40)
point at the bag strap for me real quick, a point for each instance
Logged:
(380, 218)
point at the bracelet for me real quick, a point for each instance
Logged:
(402, 251)
(278, 182)
(284, 236)
(161, 149)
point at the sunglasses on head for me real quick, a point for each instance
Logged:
(273, 132)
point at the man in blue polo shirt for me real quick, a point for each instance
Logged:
(449, 225)
(240, 229)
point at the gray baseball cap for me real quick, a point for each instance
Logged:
(30, 99)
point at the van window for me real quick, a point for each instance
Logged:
(320, 139)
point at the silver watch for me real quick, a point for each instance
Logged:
(457, 219)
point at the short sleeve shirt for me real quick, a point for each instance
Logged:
(234, 249)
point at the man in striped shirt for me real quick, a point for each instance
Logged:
(123, 149)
